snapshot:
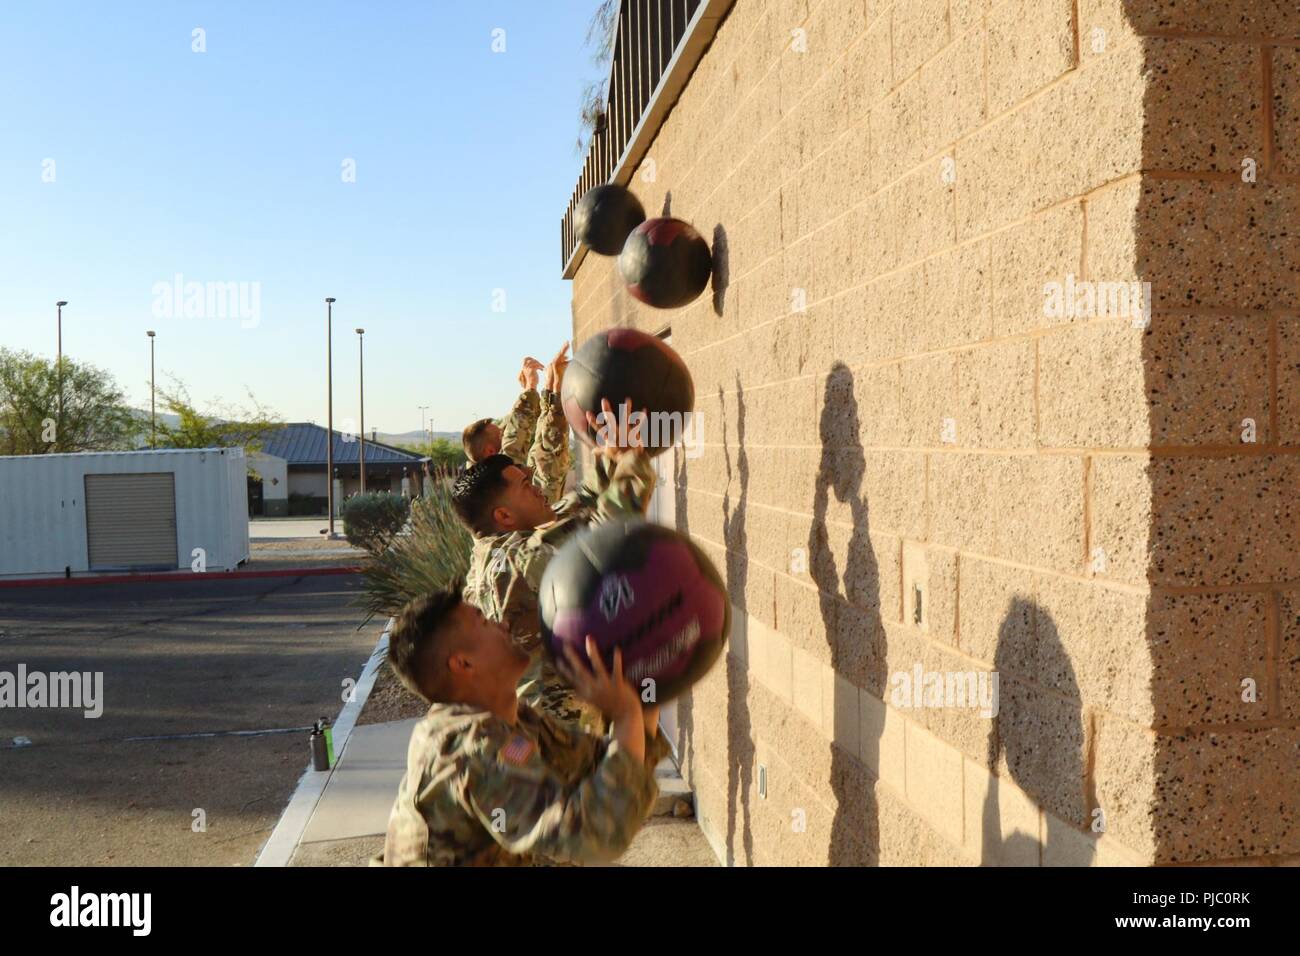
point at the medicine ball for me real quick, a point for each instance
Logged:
(641, 587)
(605, 216)
(624, 363)
(665, 263)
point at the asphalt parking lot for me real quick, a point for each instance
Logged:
(268, 655)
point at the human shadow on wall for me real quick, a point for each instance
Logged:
(850, 611)
(685, 703)
(721, 269)
(1039, 732)
(740, 743)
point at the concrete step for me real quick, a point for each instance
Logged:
(675, 799)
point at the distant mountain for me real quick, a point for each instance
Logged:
(415, 437)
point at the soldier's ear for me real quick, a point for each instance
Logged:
(504, 518)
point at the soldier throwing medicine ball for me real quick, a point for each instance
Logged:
(516, 533)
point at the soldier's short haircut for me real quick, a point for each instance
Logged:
(421, 628)
(472, 438)
(476, 492)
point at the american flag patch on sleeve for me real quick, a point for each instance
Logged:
(517, 750)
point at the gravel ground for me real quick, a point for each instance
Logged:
(389, 700)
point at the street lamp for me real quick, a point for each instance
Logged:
(423, 431)
(153, 411)
(58, 366)
(329, 427)
(361, 366)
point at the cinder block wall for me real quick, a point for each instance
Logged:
(893, 413)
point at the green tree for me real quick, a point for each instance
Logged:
(92, 415)
(219, 427)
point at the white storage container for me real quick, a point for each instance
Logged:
(123, 511)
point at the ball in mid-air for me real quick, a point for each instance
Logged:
(618, 364)
(605, 216)
(645, 589)
(665, 263)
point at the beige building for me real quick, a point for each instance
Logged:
(1000, 375)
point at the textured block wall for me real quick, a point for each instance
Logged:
(893, 414)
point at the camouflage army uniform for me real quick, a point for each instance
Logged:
(478, 792)
(536, 435)
(505, 573)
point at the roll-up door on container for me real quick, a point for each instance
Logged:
(131, 521)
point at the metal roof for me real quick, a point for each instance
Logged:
(303, 443)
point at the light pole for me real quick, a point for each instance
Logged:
(329, 427)
(423, 431)
(58, 367)
(153, 411)
(361, 367)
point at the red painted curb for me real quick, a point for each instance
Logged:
(161, 577)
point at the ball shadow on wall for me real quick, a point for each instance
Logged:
(721, 269)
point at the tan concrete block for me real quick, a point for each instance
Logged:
(934, 781)
(807, 685)
(952, 92)
(1104, 25)
(1288, 658)
(882, 744)
(1040, 521)
(757, 641)
(906, 839)
(801, 615)
(963, 509)
(941, 599)
(1203, 105)
(893, 492)
(1286, 108)
(894, 125)
(1025, 259)
(1217, 244)
(878, 321)
(1225, 521)
(1002, 822)
(1202, 647)
(1127, 772)
(877, 395)
(920, 30)
(1120, 530)
(1206, 375)
(923, 213)
(957, 304)
(1091, 646)
(847, 717)
(965, 15)
(865, 70)
(862, 568)
(930, 400)
(1030, 43)
(780, 666)
(875, 250)
(1280, 20)
(832, 249)
(860, 646)
(961, 701)
(1091, 387)
(995, 396)
(1226, 795)
(1042, 745)
(1288, 380)
(1098, 103)
(997, 603)
(1067, 845)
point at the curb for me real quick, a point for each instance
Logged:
(279, 846)
(172, 576)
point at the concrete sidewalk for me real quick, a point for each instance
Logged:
(347, 825)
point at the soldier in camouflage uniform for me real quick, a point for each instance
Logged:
(492, 782)
(516, 532)
(534, 433)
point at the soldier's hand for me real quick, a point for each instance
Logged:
(555, 370)
(616, 433)
(608, 691)
(528, 374)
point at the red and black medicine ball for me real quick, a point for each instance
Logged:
(605, 216)
(618, 364)
(641, 587)
(665, 263)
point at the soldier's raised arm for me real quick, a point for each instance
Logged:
(518, 426)
(549, 456)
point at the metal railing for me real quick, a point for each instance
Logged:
(657, 44)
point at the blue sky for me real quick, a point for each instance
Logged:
(227, 166)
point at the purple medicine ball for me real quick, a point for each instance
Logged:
(641, 587)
